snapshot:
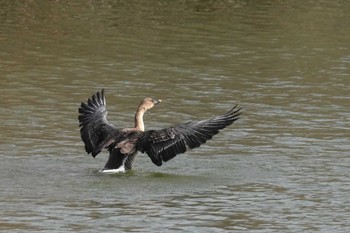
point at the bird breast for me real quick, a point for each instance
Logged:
(127, 146)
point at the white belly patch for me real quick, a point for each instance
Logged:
(118, 170)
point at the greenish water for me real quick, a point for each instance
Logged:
(282, 167)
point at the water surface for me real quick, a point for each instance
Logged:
(282, 167)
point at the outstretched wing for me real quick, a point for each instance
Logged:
(163, 145)
(95, 130)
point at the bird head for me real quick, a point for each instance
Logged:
(148, 103)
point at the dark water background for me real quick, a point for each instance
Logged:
(283, 167)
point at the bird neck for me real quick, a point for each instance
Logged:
(139, 125)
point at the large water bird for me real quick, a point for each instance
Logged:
(124, 143)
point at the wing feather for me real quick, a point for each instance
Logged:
(95, 130)
(163, 145)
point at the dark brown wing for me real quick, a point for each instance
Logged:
(95, 130)
(163, 145)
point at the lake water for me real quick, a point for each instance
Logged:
(283, 167)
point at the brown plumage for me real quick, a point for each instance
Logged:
(124, 143)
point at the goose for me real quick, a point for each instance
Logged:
(97, 133)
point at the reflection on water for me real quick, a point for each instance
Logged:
(282, 167)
